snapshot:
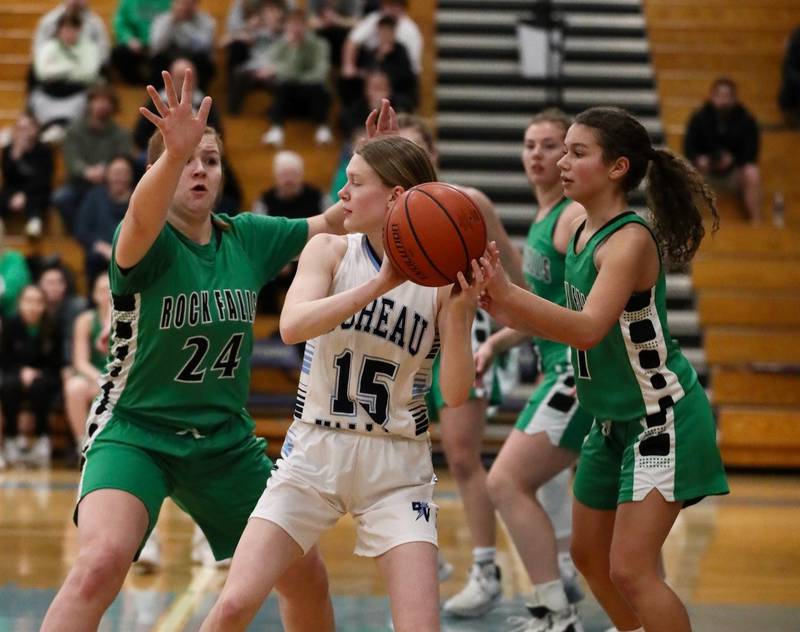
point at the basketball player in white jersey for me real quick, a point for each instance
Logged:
(359, 442)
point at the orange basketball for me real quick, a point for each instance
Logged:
(432, 232)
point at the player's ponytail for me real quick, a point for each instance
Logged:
(676, 193)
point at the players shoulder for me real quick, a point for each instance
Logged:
(476, 195)
(631, 239)
(326, 244)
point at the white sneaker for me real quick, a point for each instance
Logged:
(273, 136)
(10, 451)
(569, 577)
(18, 450)
(40, 452)
(33, 228)
(150, 558)
(543, 619)
(202, 553)
(482, 593)
(323, 135)
(445, 569)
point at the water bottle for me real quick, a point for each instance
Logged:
(778, 210)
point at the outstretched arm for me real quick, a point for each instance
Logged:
(626, 264)
(152, 197)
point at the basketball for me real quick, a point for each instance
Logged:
(432, 232)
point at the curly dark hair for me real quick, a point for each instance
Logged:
(676, 193)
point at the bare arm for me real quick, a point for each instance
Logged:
(152, 197)
(309, 310)
(457, 305)
(81, 346)
(626, 264)
(496, 232)
(499, 342)
(566, 226)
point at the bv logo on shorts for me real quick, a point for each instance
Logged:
(423, 510)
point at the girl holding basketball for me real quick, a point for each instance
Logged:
(359, 441)
(652, 449)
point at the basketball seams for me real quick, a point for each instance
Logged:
(452, 221)
(419, 243)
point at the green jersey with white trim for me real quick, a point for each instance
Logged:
(182, 324)
(543, 267)
(637, 370)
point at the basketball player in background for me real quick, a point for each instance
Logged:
(359, 441)
(530, 479)
(463, 427)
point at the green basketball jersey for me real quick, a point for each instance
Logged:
(182, 324)
(637, 370)
(543, 267)
(97, 357)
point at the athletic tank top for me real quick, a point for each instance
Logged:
(637, 370)
(182, 323)
(371, 373)
(543, 267)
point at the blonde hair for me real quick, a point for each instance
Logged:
(397, 161)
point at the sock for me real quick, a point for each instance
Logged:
(566, 566)
(482, 555)
(551, 595)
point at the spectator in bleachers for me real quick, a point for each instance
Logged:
(92, 26)
(61, 303)
(301, 64)
(183, 31)
(789, 97)
(377, 86)
(26, 165)
(89, 351)
(131, 26)
(251, 24)
(391, 57)
(30, 360)
(101, 211)
(64, 67)
(290, 196)
(332, 20)
(365, 33)
(89, 145)
(254, 63)
(722, 142)
(14, 275)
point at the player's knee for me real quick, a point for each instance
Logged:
(751, 174)
(590, 561)
(501, 487)
(75, 388)
(101, 570)
(309, 584)
(463, 463)
(234, 611)
(628, 574)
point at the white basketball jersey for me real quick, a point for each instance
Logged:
(371, 373)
